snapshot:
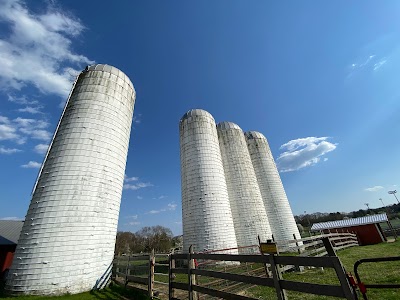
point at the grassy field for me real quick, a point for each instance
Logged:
(113, 292)
(378, 273)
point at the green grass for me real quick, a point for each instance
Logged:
(370, 273)
(113, 292)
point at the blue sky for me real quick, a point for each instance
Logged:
(319, 79)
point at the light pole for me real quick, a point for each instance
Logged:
(380, 199)
(367, 204)
(394, 194)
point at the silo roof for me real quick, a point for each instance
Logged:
(254, 135)
(110, 69)
(228, 125)
(196, 112)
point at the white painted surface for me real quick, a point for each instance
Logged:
(248, 211)
(206, 215)
(277, 206)
(68, 238)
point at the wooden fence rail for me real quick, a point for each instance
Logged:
(156, 274)
(193, 289)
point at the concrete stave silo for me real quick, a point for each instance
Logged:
(67, 241)
(206, 214)
(280, 216)
(247, 206)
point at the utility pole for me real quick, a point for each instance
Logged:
(367, 204)
(394, 194)
(380, 199)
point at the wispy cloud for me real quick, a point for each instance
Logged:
(379, 64)
(137, 119)
(22, 100)
(37, 51)
(32, 165)
(303, 152)
(20, 129)
(4, 150)
(370, 63)
(139, 197)
(134, 223)
(137, 186)
(130, 179)
(30, 109)
(374, 188)
(41, 148)
(170, 207)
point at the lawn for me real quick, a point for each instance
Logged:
(113, 292)
(379, 273)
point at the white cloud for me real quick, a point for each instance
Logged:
(22, 100)
(30, 109)
(134, 217)
(171, 206)
(37, 49)
(32, 165)
(162, 197)
(137, 119)
(379, 64)
(137, 186)
(139, 197)
(129, 179)
(374, 188)
(19, 129)
(41, 148)
(134, 223)
(8, 150)
(303, 152)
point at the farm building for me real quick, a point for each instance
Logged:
(9, 234)
(367, 228)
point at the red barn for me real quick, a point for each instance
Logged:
(367, 228)
(9, 235)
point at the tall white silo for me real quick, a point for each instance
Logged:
(248, 211)
(68, 238)
(278, 209)
(206, 214)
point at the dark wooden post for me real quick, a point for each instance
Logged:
(171, 291)
(126, 271)
(328, 247)
(276, 274)
(152, 262)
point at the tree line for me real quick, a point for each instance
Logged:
(158, 238)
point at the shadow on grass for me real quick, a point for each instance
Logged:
(115, 291)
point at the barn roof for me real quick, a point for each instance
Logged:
(10, 231)
(373, 219)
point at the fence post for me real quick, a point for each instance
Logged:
(297, 267)
(126, 271)
(341, 274)
(191, 277)
(328, 247)
(276, 274)
(171, 291)
(151, 273)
